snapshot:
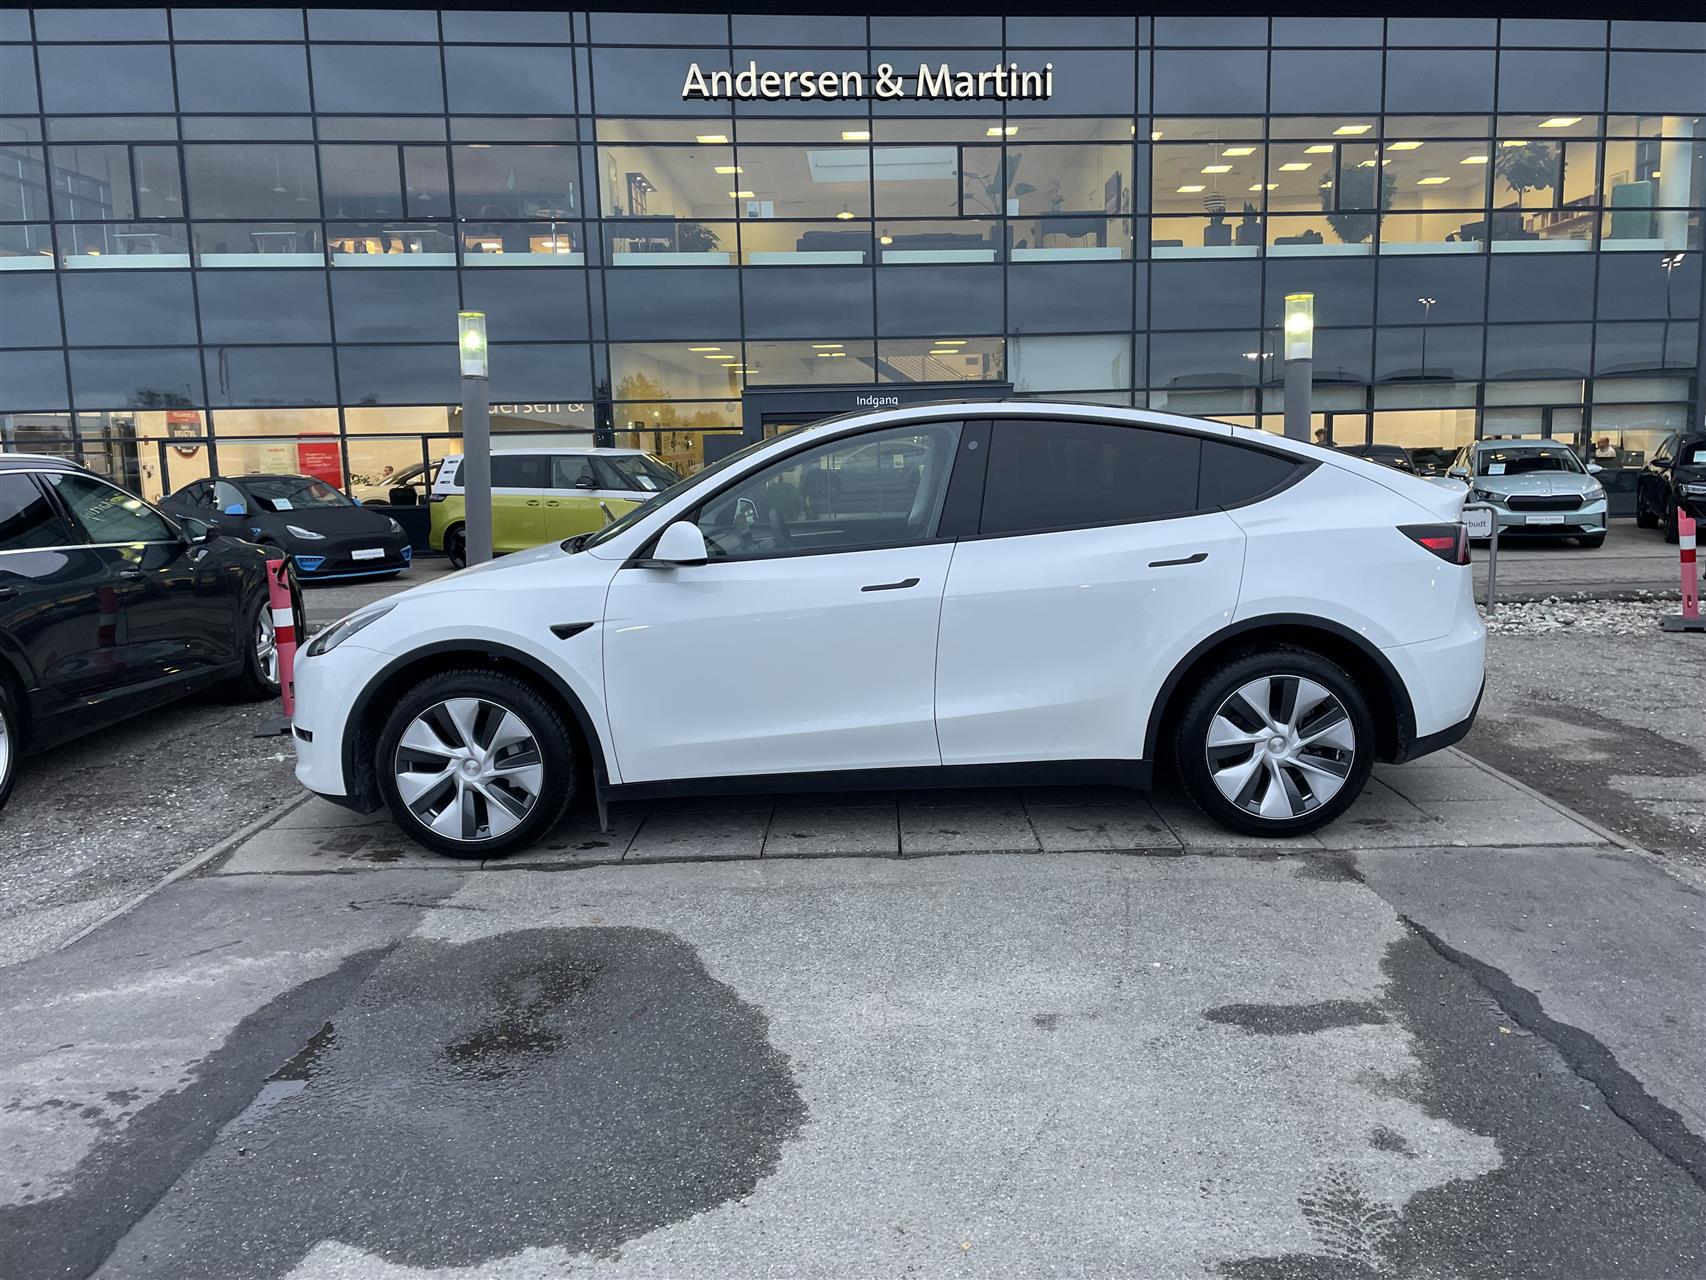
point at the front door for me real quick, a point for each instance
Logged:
(808, 640)
(521, 483)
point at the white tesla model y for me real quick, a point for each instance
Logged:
(1010, 591)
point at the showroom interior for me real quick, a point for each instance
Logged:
(237, 239)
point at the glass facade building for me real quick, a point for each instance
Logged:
(237, 239)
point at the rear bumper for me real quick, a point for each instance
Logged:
(1447, 737)
(1444, 678)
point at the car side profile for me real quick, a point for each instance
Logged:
(108, 608)
(1674, 479)
(952, 593)
(540, 494)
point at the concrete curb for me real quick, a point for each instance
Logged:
(195, 864)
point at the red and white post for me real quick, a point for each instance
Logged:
(1689, 619)
(282, 609)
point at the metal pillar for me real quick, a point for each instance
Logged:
(1298, 380)
(477, 469)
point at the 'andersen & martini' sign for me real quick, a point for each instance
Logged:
(942, 83)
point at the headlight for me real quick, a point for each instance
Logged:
(395, 527)
(1594, 492)
(297, 531)
(344, 628)
(1485, 495)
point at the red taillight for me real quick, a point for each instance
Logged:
(1450, 542)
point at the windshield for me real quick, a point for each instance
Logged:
(638, 471)
(1693, 455)
(293, 493)
(1521, 462)
(651, 504)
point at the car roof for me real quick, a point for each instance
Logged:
(603, 451)
(37, 462)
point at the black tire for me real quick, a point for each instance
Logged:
(1672, 530)
(555, 753)
(1191, 750)
(1644, 519)
(456, 546)
(252, 684)
(1591, 540)
(11, 741)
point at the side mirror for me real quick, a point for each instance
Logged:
(681, 544)
(236, 509)
(1459, 473)
(585, 482)
(1594, 468)
(195, 531)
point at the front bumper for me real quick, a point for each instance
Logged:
(341, 562)
(326, 689)
(1588, 519)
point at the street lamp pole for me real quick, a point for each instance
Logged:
(1299, 362)
(1427, 310)
(476, 437)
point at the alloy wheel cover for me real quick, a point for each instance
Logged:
(266, 647)
(469, 769)
(1280, 747)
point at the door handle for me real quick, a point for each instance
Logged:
(533, 502)
(902, 585)
(1198, 558)
(127, 575)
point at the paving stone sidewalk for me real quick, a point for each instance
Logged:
(1448, 799)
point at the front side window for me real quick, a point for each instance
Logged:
(636, 472)
(1054, 474)
(573, 472)
(27, 518)
(106, 514)
(881, 488)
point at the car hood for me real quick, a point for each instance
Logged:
(335, 522)
(545, 568)
(1539, 483)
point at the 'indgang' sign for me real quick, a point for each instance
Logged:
(999, 83)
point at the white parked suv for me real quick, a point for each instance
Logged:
(1012, 591)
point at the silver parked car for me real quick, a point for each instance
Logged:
(1538, 488)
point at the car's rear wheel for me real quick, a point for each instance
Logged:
(1276, 743)
(456, 547)
(11, 742)
(1671, 526)
(1644, 519)
(474, 764)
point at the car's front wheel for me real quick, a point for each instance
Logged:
(475, 764)
(1276, 743)
(259, 676)
(1644, 519)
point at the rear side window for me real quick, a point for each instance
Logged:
(529, 471)
(1233, 474)
(27, 518)
(1052, 474)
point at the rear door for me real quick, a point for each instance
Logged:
(1094, 570)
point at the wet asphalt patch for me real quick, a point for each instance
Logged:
(573, 1088)
(1297, 1019)
(1582, 1192)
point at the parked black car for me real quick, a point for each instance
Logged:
(1387, 455)
(108, 608)
(324, 533)
(1675, 476)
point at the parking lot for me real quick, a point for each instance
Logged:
(1037, 1031)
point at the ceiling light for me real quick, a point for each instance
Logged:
(950, 342)
(824, 346)
(1434, 181)
(712, 139)
(1514, 142)
(1560, 122)
(1365, 164)
(723, 356)
(885, 239)
(996, 131)
(1239, 151)
(1191, 189)
(825, 355)
(1473, 160)
(1155, 136)
(1260, 187)
(1319, 149)
(726, 169)
(844, 215)
(1217, 168)
(740, 195)
(1296, 166)
(855, 135)
(1402, 146)
(944, 351)
(1655, 174)
(704, 348)
(1353, 128)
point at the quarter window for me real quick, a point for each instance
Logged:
(1233, 474)
(883, 488)
(526, 472)
(108, 514)
(1052, 474)
(27, 518)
